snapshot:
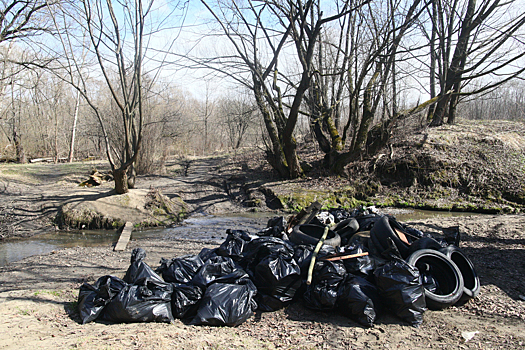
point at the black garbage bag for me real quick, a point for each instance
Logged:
(452, 235)
(367, 221)
(359, 300)
(185, 300)
(219, 269)
(363, 265)
(93, 298)
(146, 301)
(277, 221)
(275, 228)
(326, 279)
(277, 278)
(206, 254)
(260, 248)
(339, 214)
(226, 304)
(233, 245)
(401, 289)
(138, 269)
(303, 256)
(245, 235)
(181, 269)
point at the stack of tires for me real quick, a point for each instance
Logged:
(448, 275)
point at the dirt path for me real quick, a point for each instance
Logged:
(38, 294)
(31, 195)
(202, 185)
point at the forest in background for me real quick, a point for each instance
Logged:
(90, 79)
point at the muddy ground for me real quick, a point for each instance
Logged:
(38, 294)
(38, 297)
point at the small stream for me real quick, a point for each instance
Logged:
(199, 227)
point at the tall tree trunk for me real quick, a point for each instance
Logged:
(454, 99)
(368, 115)
(17, 138)
(433, 60)
(56, 136)
(74, 130)
(455, 70)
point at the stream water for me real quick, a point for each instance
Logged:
(199, 227)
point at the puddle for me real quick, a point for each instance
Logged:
(15, 250)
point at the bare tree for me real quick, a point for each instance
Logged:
(19, 20)
(361, 56)
(259, 32)
(477, 41)
(239, 113)
(119, 36)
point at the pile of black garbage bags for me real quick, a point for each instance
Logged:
(404, 272)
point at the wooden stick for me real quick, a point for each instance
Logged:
(344, 257)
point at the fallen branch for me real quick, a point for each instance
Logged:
(314, 255)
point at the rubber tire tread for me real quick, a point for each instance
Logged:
(471, 282)
(310, 234)
(446, 272)
(382, 230)
(424, 243)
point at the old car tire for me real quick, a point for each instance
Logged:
(384, 229)
(437, 267)
(310, 234)
(470, 277)
(347, 227)
(424, 243)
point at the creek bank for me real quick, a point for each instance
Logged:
(145, 208)
(473, 166)
(470, 167)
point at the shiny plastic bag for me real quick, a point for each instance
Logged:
(93, 298)
(401, 289)
(185, 300)
(277, 278)
(322, 294)
(218, 269)
(179, 270)
(146, 301)
(358, 299)
(138, 269)
(233, 245)
(226, 304)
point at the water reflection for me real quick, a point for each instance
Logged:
(15, 250)
(213, 228)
